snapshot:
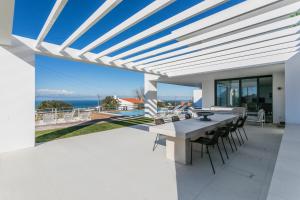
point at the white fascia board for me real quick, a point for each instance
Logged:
(6, 21)
(217, 18)
(134, 19)
(269, 58)
(172, 21)
(255, 31)
(241, 54)
(104, 9)
(253, 40)
(53, 50)
(229, 51)
(55, 12)
(227, 29)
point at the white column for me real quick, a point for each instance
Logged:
(292, 91)
(150, 92)
(278, 97)
(17, 87)
(197, 97)
(208, 93)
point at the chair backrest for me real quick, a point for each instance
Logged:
(159, 121)
(224, 131)
(215, 138)
(175, 118)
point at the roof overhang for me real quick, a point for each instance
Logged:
(250, 34)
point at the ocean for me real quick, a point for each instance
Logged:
(75, 103)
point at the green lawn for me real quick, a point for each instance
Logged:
(48, 135)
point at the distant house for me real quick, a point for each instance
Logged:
(129, 103)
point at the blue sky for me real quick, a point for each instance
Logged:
(67, 78)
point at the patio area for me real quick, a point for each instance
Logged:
(120, 164)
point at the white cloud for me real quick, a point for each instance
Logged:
(54, 92)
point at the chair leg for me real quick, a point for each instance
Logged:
(245, 133)
(201, 150)
(225, 148)
(228, 139)
(241, 136)
(238, 138)
(220, 153)
(233, 141)
(211, 163)
(155, 142)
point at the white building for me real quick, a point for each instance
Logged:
(246, 55)
(128, 103)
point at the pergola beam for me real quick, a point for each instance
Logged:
(283, 36)
(105, 8)
(53, 50)
(134, 19)
(247, 61)
(217, 18)
(237, 54)
(252, 32)
(172, 21)
(6, 21)
(57, 8)
(227, 29)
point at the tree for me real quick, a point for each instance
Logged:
(110, 102)
(140, 93)
(54, 104)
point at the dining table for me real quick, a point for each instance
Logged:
(180, 133)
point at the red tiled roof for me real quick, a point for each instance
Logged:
(133, 100)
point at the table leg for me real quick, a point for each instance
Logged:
(178, 150)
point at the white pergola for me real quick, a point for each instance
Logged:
(250, 34)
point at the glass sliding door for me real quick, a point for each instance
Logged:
(227, 93)
(252, 93)
(265, 99)
(249, 94)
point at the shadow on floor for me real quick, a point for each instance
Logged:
(246, 174)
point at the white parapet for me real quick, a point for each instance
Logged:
(17, 86)
(150, 92)
(292, 95)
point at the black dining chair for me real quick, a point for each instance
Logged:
(241, 125)
(233, 129)
(158, 121)
(208, 141)
(225, 131)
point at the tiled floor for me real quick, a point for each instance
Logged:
(120, 164)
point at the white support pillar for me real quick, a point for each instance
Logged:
(208, 93)
(17, 87)
(278, 97)
(292, 94)
(150, 92)
(197, 97)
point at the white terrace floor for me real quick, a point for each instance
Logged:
(119, 164)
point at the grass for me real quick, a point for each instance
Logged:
(48, 135)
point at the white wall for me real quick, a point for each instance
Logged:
(150, 91)
(292, 90)
(278, 97)
(208, 93)
(17, 88)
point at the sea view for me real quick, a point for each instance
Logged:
(75, 103)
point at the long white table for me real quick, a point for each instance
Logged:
(178, 134)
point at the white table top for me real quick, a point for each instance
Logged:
(188, 128)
